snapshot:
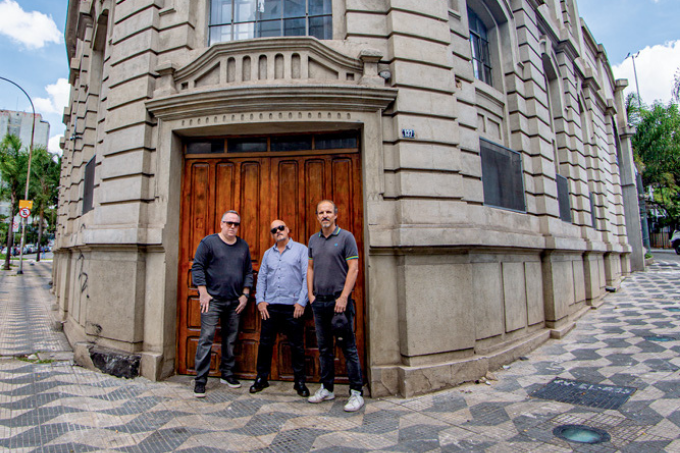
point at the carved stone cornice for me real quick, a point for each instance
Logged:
(268, 98)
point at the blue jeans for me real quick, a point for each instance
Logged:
(224, 311)
(323, 314)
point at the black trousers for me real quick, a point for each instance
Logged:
(281, 320)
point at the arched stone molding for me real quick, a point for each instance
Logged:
(491, 100)
(297, 60)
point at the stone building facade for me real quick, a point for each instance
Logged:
(477, 149)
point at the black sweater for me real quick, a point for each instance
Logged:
(224, 269)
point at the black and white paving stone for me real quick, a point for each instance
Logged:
(59, 407)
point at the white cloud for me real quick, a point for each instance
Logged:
(656, 67)
(53, 145)
(32, 29)
(58, 98)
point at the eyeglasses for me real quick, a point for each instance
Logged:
(232, 224)
(278, 228)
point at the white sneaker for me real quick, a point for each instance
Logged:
(356, 401)
(321, 395)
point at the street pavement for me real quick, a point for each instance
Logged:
(617, 373)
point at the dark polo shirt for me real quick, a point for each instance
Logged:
(330, 256)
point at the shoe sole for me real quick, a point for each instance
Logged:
(353, 410)
(230, 385)
(325, 399)
(199, 395)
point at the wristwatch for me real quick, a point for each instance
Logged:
(247, 295)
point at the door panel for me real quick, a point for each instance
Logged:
(263, 189)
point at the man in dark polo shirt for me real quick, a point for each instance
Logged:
(331, 275)
(223, 273)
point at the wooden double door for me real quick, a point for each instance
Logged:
(263, 188)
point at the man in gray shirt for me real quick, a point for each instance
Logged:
(281, 298)
(223, 273)
(332, 273)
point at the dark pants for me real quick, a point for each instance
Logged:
(224, 311)
(323, 314)
(281, 320)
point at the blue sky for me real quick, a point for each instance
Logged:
(33, 54)
(651, 27)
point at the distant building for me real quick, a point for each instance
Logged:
(20, 124)
(477, 149)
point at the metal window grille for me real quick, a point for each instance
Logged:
(479, 43)
(232, 20)
(593, 214)
(563, 198)
(502, 177)
(88, 189)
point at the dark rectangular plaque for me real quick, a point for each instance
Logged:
(584, 393)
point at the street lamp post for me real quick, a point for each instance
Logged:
(640, 187)
(28, 177)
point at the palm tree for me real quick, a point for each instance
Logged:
(44, 184)
(13, 174)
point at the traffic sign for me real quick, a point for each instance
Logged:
(26, 204)
(24, 212)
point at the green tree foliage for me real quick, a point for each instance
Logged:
(45, 169)
(634, 108)
(656, 144)
(13, 162)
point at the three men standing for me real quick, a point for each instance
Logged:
(281, 300)
(223, 273)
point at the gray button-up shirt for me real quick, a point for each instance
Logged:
(282, 278)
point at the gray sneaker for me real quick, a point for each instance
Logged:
(321, 395)
(356, 401)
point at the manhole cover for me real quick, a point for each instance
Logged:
(582, 434)
(584, 393)
(661, 338)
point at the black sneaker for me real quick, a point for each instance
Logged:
(199, 390)
(259, 385)
(231, 381)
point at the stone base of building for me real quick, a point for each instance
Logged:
(417, 380)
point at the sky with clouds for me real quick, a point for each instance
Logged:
(646, 28)
(33, 54)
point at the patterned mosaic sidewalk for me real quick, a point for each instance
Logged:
(632, 341)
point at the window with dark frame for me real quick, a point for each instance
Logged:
(502, 176)
(563, 198)
(479, 42)
(88, 186)
(276, 143)
(233, 20)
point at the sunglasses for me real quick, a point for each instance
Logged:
(278, 228)
(232, 224)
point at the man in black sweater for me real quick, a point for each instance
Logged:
(223, 273)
